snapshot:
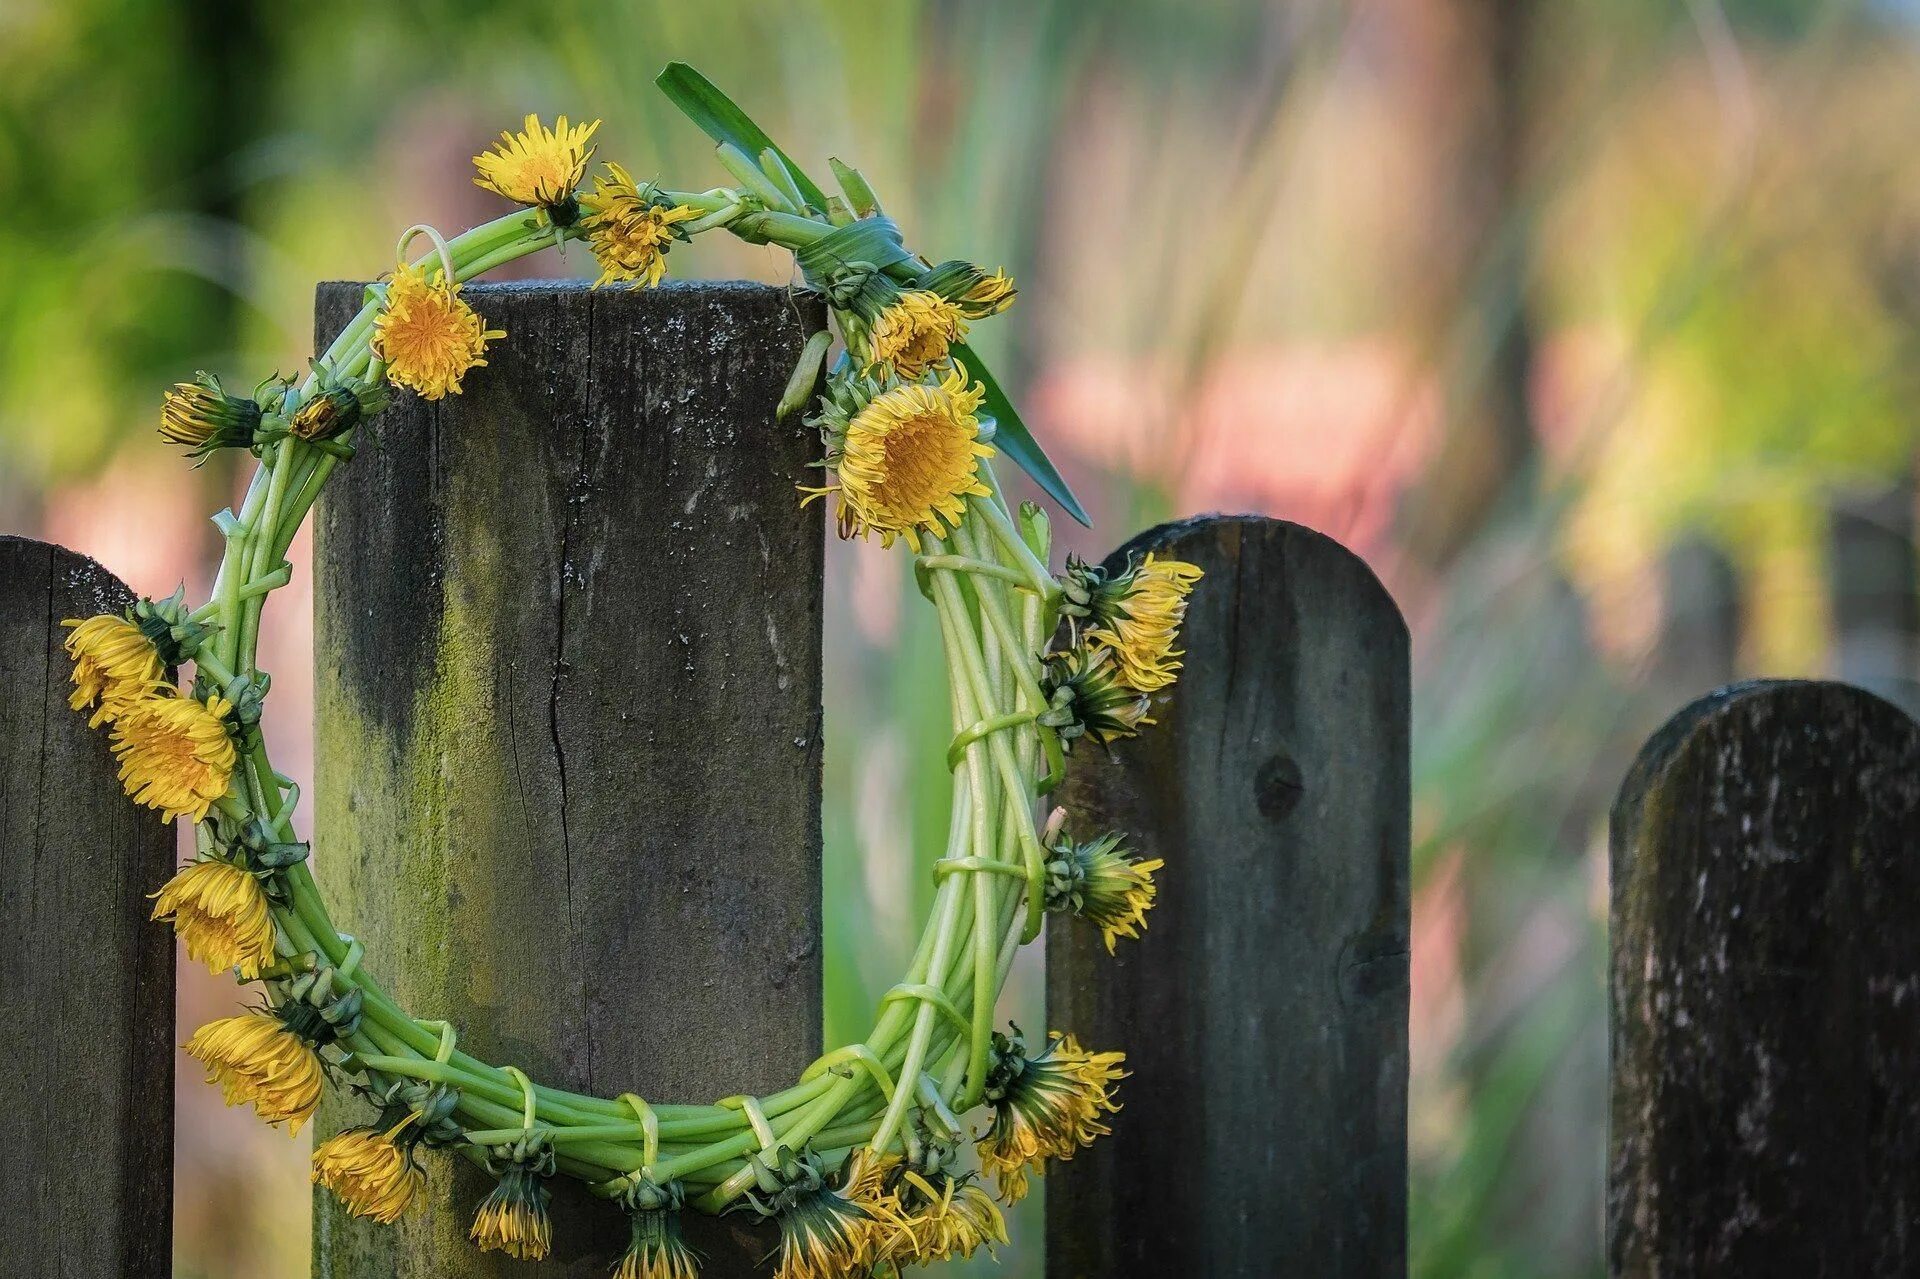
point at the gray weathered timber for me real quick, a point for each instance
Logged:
(1264, 1013)
(568, 640)
(87, 1129)
(1766, 990)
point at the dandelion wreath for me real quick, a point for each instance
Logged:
(857, 1161)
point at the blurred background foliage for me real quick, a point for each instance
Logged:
(1588, 322)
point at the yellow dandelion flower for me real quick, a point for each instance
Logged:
(630, 234)
(1044, 1107)
(823, 1235)
(538, 166)
(513, 1217)
(1138, 616)
(1087, 698)
(175, 753)
(1100, 883)
(910, 459)
(914, 333)
(923, 1217)
(201, 417)
(370, 1171)
(258, 1058)
(427, 334)
(114, 665)
(221, 915)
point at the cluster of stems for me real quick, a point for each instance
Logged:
(927, 1058)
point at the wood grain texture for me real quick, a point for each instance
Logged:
(1766, 990)
(1264, 1013)
(568, 637)
(87, 1131)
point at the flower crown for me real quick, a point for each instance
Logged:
(857, 1161)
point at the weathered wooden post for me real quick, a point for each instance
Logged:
(1264, 1013)
(568, 649)
(88, 1031)
(1766, 990)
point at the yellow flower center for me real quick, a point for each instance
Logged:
(628, 233)
(910, 460)
(915, 333)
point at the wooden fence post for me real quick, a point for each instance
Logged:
(1766, 990)
(568, 645)
(87, 1131)
(1264, 1013)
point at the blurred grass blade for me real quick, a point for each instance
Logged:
(1012, 437)
(725, 122)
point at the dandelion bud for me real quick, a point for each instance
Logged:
(513, 1217)
(1100, 883)
(202, 417)
(1086, 698)
(1047, 1106)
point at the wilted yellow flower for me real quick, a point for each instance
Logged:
(1100, 883)
(256, 1058)
(513, 1217)
(923, 1217)
(114, 665)
(823, 1235)
(221, 915)
(655, 1246)
(910, 459)
(370, 1171)
(914, 333)
(428, 335)
(1087, 697)
(538, 165)
(628, 232)
(990, 295)
(202, 417)
(1138, 616)
(175, 753)
(1044, 1107)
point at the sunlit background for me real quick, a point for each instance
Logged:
(1589, 323)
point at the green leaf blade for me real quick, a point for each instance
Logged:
(1014, 439)
(721, 119)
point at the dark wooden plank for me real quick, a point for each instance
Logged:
(1765, 973)
(568, 638)
(1264, 1014)
(87, 1130)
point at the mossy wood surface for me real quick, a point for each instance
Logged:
(1264, 1012)
(568, 631)
(1766, 990)
(86, 1134)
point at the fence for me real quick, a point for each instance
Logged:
(574, 675)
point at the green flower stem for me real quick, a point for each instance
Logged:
(962, 564)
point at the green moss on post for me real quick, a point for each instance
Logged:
(568, 649)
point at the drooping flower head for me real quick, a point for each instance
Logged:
(656, 1248)
(1136, 613)
(823, 1234)
(513, 1217)
(427, 334)
(176, 753)
(907, 458)
(114, 666)
(975, 292)
(913, 334)
(371, 1170)
(1046, 1106)
(220, 912)
(1087, 697)
(1099, 882)
(202, 417)
(270, 1058)
(539, 166)
(630, 229)
(925, 1212)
